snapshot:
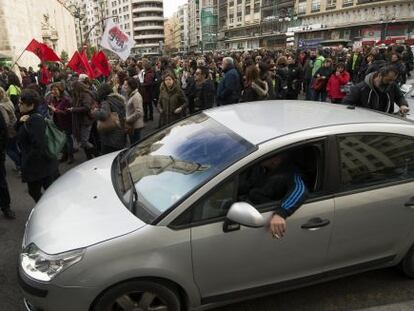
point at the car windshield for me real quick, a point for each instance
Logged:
(169, 165)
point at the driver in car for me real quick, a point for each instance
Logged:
(277, 179)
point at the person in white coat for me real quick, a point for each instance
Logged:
(134, 111)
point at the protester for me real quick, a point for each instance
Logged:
(39, 168)
(320, 81)
(254, 89)
(82, 118)
(111, 119)
(204, 89)
(172, 102)
(14, 89)
(229, 88)
(399, 65)
(4, 188)
(60, 104)
(134, 112)
(336, 83)
(378, 91)
(147, 87)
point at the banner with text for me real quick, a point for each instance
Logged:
(115, 40)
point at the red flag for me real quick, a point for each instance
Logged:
(96, 72)
(36, 48)
(77, 64)
(42, 51)
(101, 62)
(89, 70)
(45, 75)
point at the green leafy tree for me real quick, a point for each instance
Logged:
(64, 57)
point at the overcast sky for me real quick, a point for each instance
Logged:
(170, 6)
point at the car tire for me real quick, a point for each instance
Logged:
(145, 294)
(407, 264)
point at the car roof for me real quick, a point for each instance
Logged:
(261, 121)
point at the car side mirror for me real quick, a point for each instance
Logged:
(244, 214)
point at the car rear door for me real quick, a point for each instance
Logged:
(374, 207)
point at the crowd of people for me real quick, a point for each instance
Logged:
(108, 114)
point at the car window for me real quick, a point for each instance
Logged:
(213, 206)
(262, 186)
(375, 159)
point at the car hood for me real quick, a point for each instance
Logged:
(81, 208)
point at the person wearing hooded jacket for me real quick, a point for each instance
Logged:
(378, 91)
(340, 78)
(114, 139)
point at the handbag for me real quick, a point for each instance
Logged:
(111, 123)
(56, 139)
(318, 84)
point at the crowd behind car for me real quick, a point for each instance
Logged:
(108, 114)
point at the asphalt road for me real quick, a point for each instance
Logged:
(368, 290)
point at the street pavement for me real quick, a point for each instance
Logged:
(382, 290)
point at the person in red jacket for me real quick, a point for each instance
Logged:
(340, 78)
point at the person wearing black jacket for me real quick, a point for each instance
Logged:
(204, 90)
(229, 88)
(294, 75)
(379, 92)
(399, 65)
(39, 168)
(4, 189)
(323, 74)
(275, 179)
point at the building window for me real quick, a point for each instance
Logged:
(256, 7)
(316, 5)
(346, 3)
(302, 8)
(330, 4)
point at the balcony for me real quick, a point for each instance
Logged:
(147, 18)
(153, 27)
(147, 1)
(147, 9)
(153, 36)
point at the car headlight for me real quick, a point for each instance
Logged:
(44, 267)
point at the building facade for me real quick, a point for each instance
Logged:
(121, 10)
(50, 22)
(354, 22)
(181, 29)
(148, 26)
(169, 26)
(194, 26)
(242, 25)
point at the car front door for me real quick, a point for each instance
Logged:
(374, 207)
(249, 260)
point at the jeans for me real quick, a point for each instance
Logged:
(85, 133)
(69, 143)
(148, 110)
(13, 152)
(135, 136)
(320, 95)
(35, 187)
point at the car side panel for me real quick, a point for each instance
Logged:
(151, 252)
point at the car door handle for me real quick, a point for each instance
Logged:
(410, 203)
(315, 224)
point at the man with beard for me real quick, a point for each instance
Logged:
(379, 92)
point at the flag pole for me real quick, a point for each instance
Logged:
(15, 62)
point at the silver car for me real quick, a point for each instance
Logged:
(186, 236)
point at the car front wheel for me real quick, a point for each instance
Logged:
(407, 264)
(138, 296)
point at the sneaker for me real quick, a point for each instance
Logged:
(9, 214)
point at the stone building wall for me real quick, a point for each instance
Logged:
(46, 21)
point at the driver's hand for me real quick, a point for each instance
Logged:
(404, 109)
(277, 226)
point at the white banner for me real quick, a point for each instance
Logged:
(115, 40)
